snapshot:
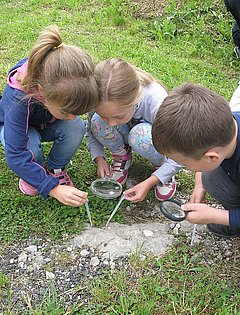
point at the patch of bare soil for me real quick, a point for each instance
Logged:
(151, 9)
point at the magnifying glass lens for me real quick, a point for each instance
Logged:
(172, 210)
(106, 188)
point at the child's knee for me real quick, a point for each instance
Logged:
(78, 126)
(138, 134)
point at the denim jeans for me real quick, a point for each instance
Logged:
(234, 7)
(220, 186)
(66, 135)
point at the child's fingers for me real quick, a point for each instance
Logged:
(188, 207)
(194, 206)
(79, 193)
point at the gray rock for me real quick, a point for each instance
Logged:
(31, 249)
(84, 253)
(22, 257)
(94, 261)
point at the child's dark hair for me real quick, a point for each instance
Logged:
(64, 74)
(191, 120)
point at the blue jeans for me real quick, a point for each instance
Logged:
(220, 186)
(66, 135)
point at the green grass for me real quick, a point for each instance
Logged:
(178, 283)
(188, 42)
(191, 42)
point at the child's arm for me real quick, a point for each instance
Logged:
(139, 191)
(199, 193)
(94, 146)
(200, 213)
(18, 158)
(96, 150)
(69, 195)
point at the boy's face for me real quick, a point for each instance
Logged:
(206, 163)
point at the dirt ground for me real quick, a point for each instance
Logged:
(151, 9)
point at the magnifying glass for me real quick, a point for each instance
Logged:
(106, 188)
(171, 208)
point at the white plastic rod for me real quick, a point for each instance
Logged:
(88, 213)
(115, 209)
(193, 234)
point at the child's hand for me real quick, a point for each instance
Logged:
(201, 213)
(137, 193)
(198, 195)
(68, 195)
(103, 168)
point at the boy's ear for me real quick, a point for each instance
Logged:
(212, 156)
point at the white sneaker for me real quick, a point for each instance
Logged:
(166, 191)
(120, 165)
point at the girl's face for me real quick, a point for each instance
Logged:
(114, 115)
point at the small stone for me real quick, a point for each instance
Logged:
(84, 253)
(21, 264)
(95, 261)
(31, 249)
(172, 225)
(22, 257)
(142, 257)
(148, 233)
(50, 275)
(106, 262)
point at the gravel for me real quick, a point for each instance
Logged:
(37, 263)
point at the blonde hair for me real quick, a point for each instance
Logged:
(120, 82)
(192, 120)
(64, 73)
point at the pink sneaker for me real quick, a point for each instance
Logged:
(120, 165)
(166, 191)
(62, 175)
(27, 189)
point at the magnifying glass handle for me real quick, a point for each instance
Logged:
(115, 209)
(88, 213)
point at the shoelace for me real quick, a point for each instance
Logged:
(118, 165)
(63, 178)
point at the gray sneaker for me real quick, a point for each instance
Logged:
(237, 51)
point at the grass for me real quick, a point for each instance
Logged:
(190, 41)
(182, 282)
(166, 47)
